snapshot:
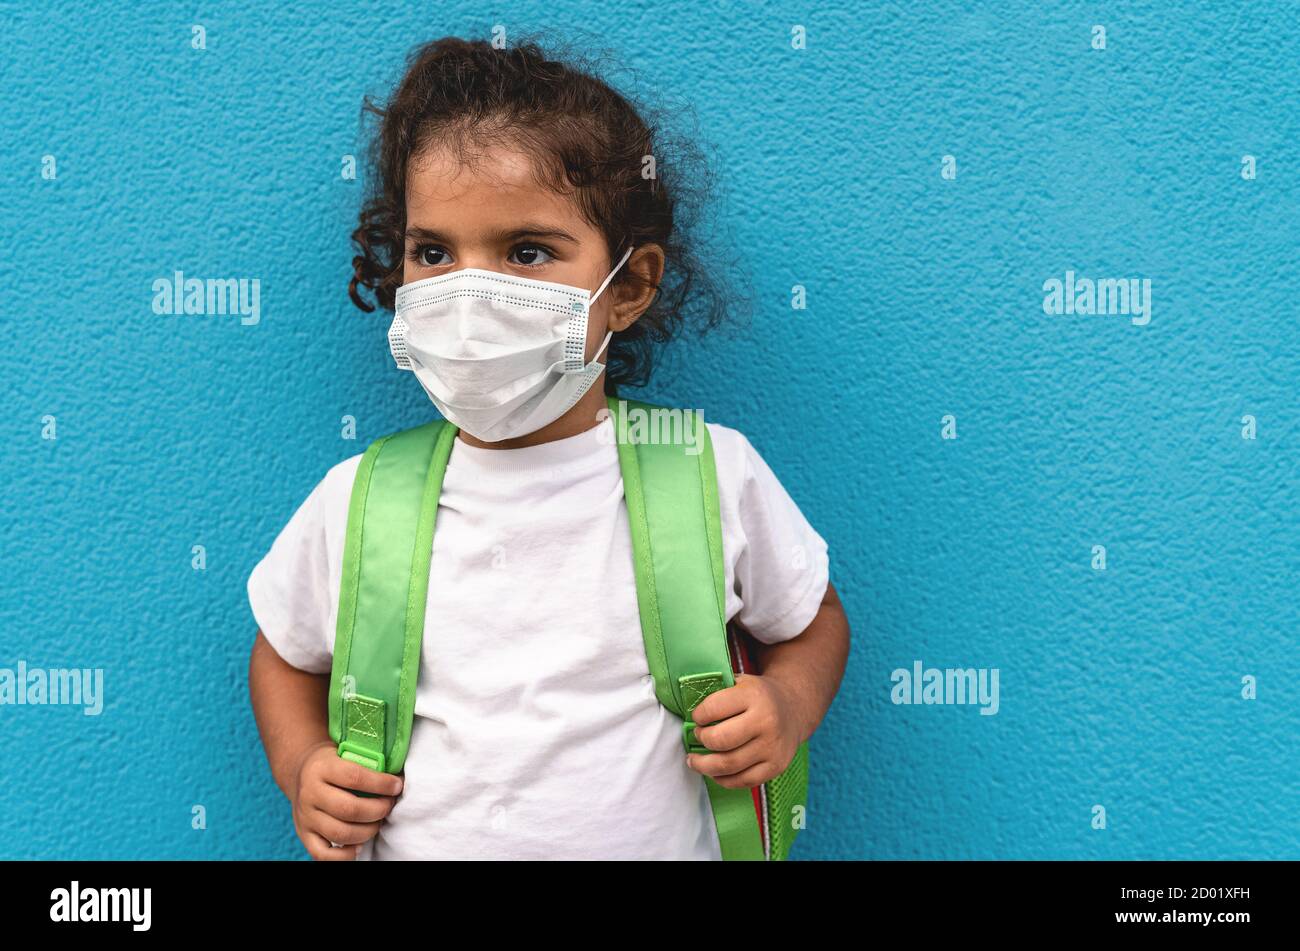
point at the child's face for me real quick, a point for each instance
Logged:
(495, 216)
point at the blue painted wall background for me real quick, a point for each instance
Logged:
(1119, 688)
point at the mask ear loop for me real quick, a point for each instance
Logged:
(609, 334)
(610, 276)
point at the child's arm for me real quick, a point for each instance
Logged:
(291, 708)
(766, 717)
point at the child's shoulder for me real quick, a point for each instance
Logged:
(742, 469)
(340, 475)
(729, 445)
(331, 495)
(735, 457)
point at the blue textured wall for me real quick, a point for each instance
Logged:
(1119, 688)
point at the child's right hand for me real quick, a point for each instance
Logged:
(325, 810)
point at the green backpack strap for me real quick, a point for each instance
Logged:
(385, 583)
(671, 488)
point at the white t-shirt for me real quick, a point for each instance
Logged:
(537, 733)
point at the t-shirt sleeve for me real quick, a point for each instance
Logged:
(782, 566)
(290, 592)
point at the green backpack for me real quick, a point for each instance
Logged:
(672, 503)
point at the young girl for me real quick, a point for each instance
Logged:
(537, 732)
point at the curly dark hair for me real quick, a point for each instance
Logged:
(587, 140)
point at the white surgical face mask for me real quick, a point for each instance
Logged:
(500, 356)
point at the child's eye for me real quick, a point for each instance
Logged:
(429, 255)
(528, 255)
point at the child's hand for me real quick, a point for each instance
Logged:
(758, 737)
(325, 811)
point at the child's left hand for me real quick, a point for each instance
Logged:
(758, 736)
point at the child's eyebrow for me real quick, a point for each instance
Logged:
(527, 230)
(416, 233)
(536, 231)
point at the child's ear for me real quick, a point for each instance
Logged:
(633, 297)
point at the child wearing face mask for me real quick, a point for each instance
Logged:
(533, 268)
